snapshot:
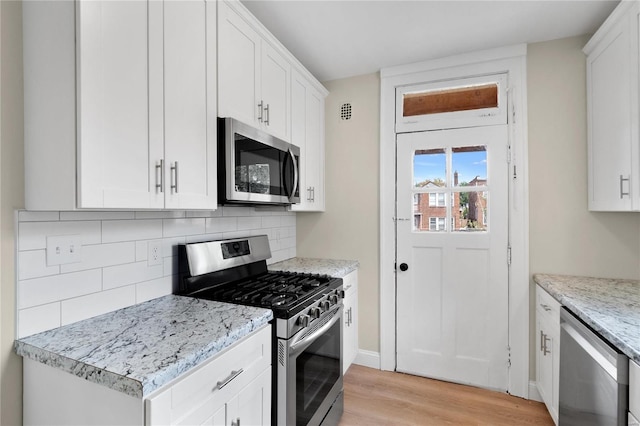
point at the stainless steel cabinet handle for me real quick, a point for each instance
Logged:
(267, 115)
(260, 111)
(547, 308)
(160, 167)
(622, 180)
(235, 422)
(225, 382)
(541, 341)
(546, 350)
(174, 177)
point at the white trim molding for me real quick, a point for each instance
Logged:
(512, 61)
(368, 359)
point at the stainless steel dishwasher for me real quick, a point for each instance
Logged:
(594, 377)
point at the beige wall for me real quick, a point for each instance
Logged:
(11, 197)
(349, 229)
(565, 238)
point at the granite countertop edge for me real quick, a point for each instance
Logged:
(550, 283)
(337, 268)
(146, 382)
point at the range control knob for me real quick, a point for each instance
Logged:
(303, 320)
(325, 305)
(315, 312)
(340, 293)
(333, 299)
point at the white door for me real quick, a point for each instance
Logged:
(452, 237)
(276, 81)
(189, 104)
(115, 149)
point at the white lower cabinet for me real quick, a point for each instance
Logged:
(548, 350)
(634, 393)
(350, 320)
(233, 388)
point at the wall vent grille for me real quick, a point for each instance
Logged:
(345, 111)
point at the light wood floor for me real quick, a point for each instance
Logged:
(373, 397)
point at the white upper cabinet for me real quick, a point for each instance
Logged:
(612, 113)
(307, 132)
(124, 94)
(254, 78)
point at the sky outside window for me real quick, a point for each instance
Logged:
(431, 165)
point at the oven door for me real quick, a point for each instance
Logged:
(258, 167)
(311, 380)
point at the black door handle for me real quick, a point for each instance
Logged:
(404, 267)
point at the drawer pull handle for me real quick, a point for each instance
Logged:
(547, 308)
(228, 380)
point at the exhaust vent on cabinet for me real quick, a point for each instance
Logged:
(345, 111)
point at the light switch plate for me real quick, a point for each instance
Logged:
(63, 249)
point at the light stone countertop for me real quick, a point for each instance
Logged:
(609, 306)
(138, 349)
(332, 267)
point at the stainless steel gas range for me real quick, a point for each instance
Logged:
(307, 331)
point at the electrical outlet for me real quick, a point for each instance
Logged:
(154, 256)
(63, 249)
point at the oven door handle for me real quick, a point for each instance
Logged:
(302, 344)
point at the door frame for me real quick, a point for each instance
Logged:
(510, 60)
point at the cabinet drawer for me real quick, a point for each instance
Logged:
(546, 306)
(214, 381)
(634, 389)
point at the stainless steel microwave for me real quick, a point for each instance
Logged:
(255, 167)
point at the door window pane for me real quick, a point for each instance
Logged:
(429, 168)
(469, 165)
(469, 211)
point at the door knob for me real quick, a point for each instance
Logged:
(404, 267)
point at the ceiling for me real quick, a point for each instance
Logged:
(338, 39)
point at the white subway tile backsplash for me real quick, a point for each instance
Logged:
(114, 272)
(84, 307)
(131, 230)
(245, 223)
(100, 255)
(38, 291)
(271, 221)
(38, 319)
(238, 211)
(95, 215)
(155, 288)
(183, 227)
(204, 213)
(33, 264)
(33, 235)
(222, 224)
(172, 214)
(130, 273)
(203, 237)
(27, 216)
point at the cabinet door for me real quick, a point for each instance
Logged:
(252, 405)
(276, 80)
(238, 65)
(115, 148)
(189, 104)
(315, 149)
(350, 320)
(307, 132)
(610, 94)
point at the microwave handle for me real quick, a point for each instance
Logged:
(295, 174)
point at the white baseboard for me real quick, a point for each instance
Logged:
(534, 395)
(368, 359)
